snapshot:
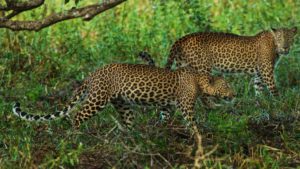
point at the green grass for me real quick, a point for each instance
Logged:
(40, 70)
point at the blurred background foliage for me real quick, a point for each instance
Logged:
(40, 69)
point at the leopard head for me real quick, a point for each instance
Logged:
(223, 90)
(284, 39)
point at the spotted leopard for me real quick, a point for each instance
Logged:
(256, 55)
(125, 84)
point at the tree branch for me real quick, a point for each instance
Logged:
(87, 13)
(18, 7)
(21, 6)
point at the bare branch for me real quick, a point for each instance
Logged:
(87, 13)
(18, 7)
(21, 6)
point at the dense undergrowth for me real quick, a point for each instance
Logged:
(40, 70)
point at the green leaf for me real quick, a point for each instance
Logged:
(67, 1)
(76, 2)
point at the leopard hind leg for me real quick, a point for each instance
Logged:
(94, 103)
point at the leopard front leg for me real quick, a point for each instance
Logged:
(186, 106)
(267, 75)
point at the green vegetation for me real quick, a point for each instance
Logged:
(40, 69)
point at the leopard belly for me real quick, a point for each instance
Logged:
(234, 65)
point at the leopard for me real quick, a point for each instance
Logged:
(124, 85)
(229, 53)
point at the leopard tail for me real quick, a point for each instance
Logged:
(171, 58)
(79, 95)
(147, 58)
